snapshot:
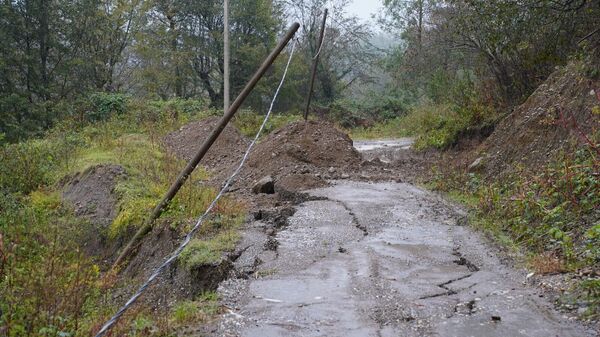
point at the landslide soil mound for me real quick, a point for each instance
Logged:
(92, 193)
(227, 150)
(299, 155)
(553, 118)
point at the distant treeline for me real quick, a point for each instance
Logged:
(55, 52)
(57, 55)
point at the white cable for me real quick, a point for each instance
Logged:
(194, 230)
(322, 43)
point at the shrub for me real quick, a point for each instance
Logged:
(373, 108)
(248, 122)
(26, 166)
(39, 263)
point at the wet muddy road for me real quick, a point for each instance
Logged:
(386, 150)
(386, 259)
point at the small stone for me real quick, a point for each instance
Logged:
(265, 185)
(331, 170)
(496, 318)
(477, 165)
(345, 176)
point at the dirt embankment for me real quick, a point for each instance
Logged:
(92, 195)
(553, 118)
(299, 156)
(227, 150)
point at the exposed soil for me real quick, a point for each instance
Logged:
(227, 150)
(555, 116)
(92, 193)
(178, 281)
(300, 155)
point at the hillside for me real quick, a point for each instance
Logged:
(562, 112)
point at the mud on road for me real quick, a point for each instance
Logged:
(380, 259)
(384, 259)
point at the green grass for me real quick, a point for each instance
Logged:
(399, 127)
(248, 122)
(204, 308)
(47, 261)
(433, 125)
(204, 252)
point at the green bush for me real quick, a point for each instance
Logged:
(248, 122)
(40, 263)
(104, 105)
(373, 108)
(26, 166)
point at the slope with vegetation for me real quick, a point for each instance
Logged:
(55, 253)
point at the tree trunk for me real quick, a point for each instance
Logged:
(43, 37)
(173, 31)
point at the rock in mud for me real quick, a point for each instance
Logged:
(477, 165)
(266, 185)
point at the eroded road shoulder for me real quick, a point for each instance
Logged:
(384, 259)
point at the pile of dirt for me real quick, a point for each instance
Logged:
(227, 150)
(302, 155)
(555, 116)
(92, 194)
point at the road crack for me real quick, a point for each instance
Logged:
(448, 291)
(355, 220)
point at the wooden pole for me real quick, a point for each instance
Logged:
(187, 171)
(315, 63)
(226, 57)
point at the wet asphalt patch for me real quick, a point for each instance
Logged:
(418, 272)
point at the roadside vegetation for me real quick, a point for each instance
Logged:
(50, 286)
(551, 216)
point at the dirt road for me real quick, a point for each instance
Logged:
(384, 259)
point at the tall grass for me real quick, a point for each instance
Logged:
(49, 286)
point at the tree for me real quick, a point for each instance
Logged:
(182, 45)
(516, 44)
(346, 54)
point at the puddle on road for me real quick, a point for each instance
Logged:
(370, 145)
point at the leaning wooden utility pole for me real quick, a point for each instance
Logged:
(315, 63)
(226, 57)
(187, 171)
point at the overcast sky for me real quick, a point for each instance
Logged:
(364, 8)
